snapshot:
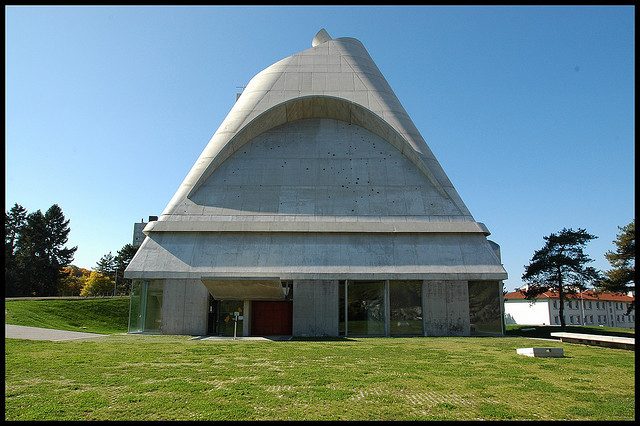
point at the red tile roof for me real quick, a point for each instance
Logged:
(585, 295)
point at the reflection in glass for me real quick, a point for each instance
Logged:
(135, 307)
(153, 309)
(366, 308)
(226, 309)
(484, 307)
(406, 307)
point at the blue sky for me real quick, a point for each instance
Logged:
(530, 110)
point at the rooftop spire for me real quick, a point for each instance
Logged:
(321, 37)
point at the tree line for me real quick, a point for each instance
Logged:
(561, 266)
(38, 263)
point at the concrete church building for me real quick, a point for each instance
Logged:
(317, 209)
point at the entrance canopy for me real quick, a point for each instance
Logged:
(245, 289)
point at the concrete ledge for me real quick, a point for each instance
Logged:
(596, 340)
(317, 226)
(541, 352)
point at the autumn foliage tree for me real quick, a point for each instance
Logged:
(73, 280)
(97, 284)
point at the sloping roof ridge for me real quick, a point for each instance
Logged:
(585, 295)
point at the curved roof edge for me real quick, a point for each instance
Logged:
(338, 68)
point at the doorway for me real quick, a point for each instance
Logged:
(271, 318)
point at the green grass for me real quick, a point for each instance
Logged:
(136, 377)
(108, 315)
(544, 330)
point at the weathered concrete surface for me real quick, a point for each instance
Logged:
(184, 307)
(318, 143)
(445, 308)
(36, 333)
(315, 308)
(318, 256)
(597, 340)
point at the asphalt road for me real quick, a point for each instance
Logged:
(35, 333)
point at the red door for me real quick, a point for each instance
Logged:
(271, 318)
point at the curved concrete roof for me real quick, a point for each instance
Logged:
(248, 234)
(336, 70)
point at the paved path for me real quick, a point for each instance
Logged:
(35, 333)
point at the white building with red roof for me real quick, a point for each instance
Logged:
(586, 308)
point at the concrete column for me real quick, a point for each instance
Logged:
(246, 322)
(315, 308)
(445, 306)
(387, 309)
(184, 307)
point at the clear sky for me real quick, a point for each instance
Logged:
(530, 110)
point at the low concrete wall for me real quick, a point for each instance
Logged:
(315, 308)
(446, 308)
(184, 307)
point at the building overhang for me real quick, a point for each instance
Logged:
(258, 288)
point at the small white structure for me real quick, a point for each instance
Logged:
(586, 308)
(541, 352)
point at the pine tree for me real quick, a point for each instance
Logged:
(621, 278)
(560, 266)
(15, 220)
(106, 265)
(39, 253)
(123, 258)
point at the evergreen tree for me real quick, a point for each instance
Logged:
(560, 266)
(123, 258)
(14, 221)
(107, 265)
(621, 278)
(39, 253)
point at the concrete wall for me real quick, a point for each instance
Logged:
(445, 308)
(524, 312)
(315, 308)
(184, 307)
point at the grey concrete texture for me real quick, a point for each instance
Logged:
(317, 256)
(37, 333)
(446, 308)
(184, 307)
(315, 308)
(340, 68)
(317, 173)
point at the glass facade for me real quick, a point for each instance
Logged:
(366, 308)
(405, 298)
(226, 309)
(135, 307)
(145, 308)
(484, 307)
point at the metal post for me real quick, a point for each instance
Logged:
(235, 325)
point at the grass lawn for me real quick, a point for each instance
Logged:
(544, 330)
(135, 377)
(103, 315)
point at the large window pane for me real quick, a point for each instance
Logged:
(153, 310)
(484, 307)
(226, 308)
(406, 307)
(366, 308)
(135, 307)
